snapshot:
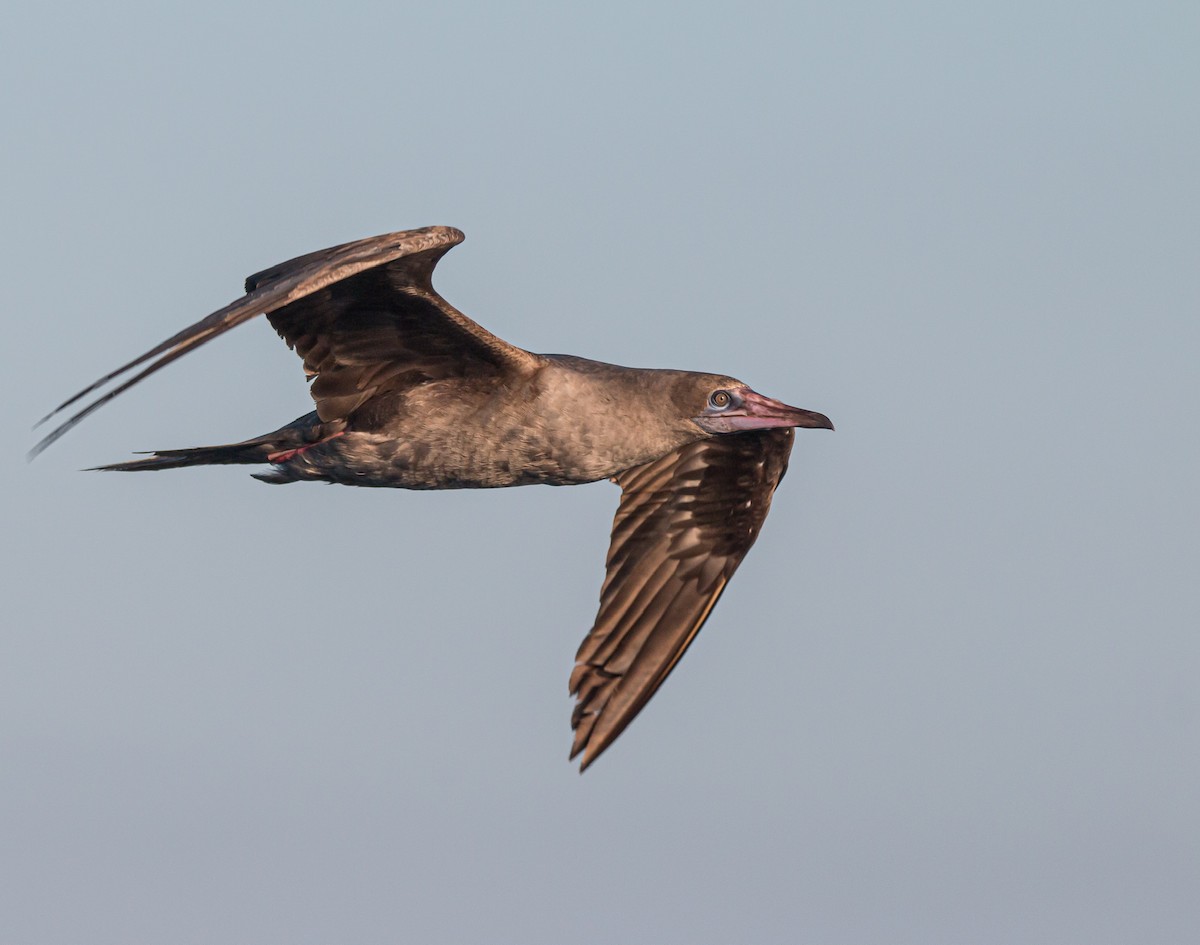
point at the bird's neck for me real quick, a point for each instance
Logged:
(601, 419)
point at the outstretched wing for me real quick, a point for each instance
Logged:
(683, 526)
(362, 315)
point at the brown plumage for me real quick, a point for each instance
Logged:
(410, 393)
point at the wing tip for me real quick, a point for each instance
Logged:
(49, 439)
(589, 756)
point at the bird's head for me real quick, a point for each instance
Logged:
(724, 405)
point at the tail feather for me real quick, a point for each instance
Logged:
(296, 435)
(250, 452)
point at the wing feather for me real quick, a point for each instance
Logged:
(362, 315)
(684, 524)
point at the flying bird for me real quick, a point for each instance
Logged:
(412, 394)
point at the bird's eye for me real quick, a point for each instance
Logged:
(720, 399)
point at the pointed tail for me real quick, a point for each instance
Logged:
(197, 456)
(262, 449)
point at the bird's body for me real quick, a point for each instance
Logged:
(412, 394)
(537, 432)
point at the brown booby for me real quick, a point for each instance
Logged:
(412, 394)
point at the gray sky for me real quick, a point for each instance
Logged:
(950, 697)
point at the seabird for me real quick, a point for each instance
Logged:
(412, 394)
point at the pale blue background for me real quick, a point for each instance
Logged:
(951, 697)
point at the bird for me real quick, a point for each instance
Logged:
(410, 393)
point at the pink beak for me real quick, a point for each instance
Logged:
(756, 412)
